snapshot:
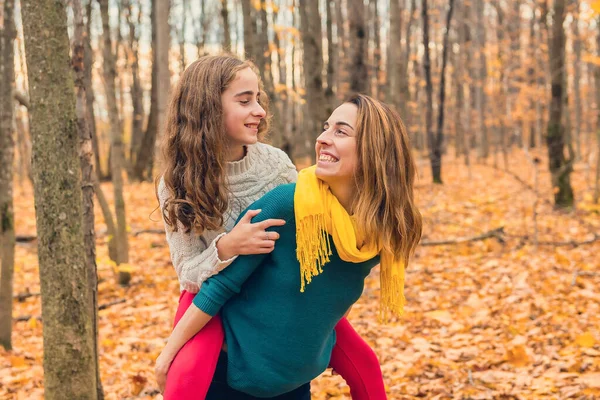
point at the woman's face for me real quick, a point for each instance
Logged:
(241, 111)
(336, 147)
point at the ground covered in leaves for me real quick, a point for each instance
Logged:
(497, 318)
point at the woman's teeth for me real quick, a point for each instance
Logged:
(327, 158)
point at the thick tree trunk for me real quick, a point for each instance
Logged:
(359, 78)
(69, 365)
(7, 148)
(560, 167)
(117, 161)
(86, 155)
(312, 57)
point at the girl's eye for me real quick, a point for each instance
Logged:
(245, 102)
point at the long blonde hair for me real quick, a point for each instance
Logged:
(194, 146)
(385, 207)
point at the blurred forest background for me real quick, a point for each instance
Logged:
(501, 99)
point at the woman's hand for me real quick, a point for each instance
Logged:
(163, 363)
(249, 238)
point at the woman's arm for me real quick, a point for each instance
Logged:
(191, 323)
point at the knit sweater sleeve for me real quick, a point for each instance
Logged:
(215, 292)
(195, 258)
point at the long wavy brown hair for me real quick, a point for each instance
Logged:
(194, 146)
(385, 207)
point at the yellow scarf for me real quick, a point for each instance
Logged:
(320, 214)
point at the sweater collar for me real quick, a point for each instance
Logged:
(243, 165)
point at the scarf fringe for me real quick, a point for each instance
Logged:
(313, 247)
(392, 290)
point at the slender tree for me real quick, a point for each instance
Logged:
(226, 31)
(86, 155)
(359, 77)
(435, 143)
(312, 58)
(7, 147)
(68, 333)
(116, 134)
(560, 167)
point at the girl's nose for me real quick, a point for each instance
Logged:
(259, 111)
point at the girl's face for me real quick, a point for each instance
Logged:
(241, 111)
(336, 147)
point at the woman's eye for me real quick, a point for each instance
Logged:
(340, 132)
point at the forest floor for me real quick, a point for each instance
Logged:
(497, 318)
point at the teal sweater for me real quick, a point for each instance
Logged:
(278, 338)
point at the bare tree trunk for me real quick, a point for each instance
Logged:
(331, 59)
(116, 139)
(182, 29)
(163, 39)
(7, 148)
(435, 144)
(226, 32)
(577, 78)
(136, 91)
(69, 365)
(395, 95)
(282, 138)
(342, 83)
(359, 77)
(312, 57)
(597, 90)
(560, 168)
(481, 70)
(250, 30)
(142, 170)
(378, 73)
(86, 155)
(429, 92)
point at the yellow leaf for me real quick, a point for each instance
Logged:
(517, 356)
(585, 340)
(596, 6)
(32, 323)
(17, 362)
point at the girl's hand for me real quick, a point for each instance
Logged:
(163, 363)
(249, 238)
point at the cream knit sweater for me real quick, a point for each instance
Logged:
(196, 258)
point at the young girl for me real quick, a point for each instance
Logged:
(351, 211)
(215, 168)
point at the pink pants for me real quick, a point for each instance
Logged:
(193, 368)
